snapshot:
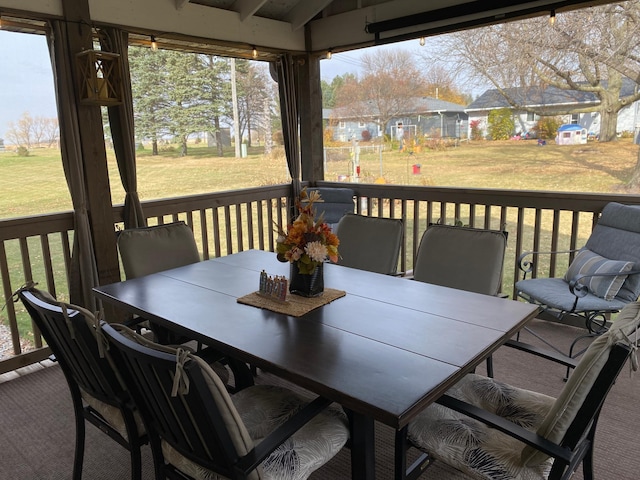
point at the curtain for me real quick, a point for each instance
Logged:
(287, 86)
(122, 128)
(83, 271)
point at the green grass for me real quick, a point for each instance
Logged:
(36, 184)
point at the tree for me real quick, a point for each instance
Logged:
(330, 90)
(21, 132)
(389, 83)
(587, 50)
(149, 94)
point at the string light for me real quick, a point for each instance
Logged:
(154, 44)
(254, 53)
(422, 41)
(552, 18)
(329, 53)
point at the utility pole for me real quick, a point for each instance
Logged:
(234, 100)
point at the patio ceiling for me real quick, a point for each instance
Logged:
(235, 27)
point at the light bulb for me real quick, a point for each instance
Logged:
(154, 44)
(552, 18)
(422, 41)
(254, 52)
(329, 54)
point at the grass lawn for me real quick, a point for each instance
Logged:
(35, 184)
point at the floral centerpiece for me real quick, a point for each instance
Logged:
(307, 244)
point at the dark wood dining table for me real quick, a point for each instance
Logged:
(385, 351)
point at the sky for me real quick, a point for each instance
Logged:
(26, 81)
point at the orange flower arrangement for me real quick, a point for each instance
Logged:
(308, 242)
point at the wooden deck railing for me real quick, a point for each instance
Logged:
(37, 248)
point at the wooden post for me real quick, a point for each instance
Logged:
(310, 111)
(94, 156)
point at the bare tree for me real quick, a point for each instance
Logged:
(51, 131)
(389, 83)
(20, 133)
(587, 50)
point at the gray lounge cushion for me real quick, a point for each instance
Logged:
(556, 294)
(587, 262)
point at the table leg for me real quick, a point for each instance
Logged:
(362, 434)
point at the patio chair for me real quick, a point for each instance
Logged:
(461, 257)
(603, 277)
(148, 250)
(97, 395)
(370, 243)
(465, 258)
(336, 202)
(488, 429)
(197, 430)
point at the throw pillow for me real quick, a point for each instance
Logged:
(587, 262)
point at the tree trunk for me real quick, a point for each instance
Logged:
(154, 146)
(218, 137)
(248, 121)
(608, 124)
(634, 182)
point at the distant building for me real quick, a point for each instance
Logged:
(550, 97)
(427, 117)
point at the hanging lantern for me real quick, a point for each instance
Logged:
(100, 80)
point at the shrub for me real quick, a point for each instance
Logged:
(366, 135)
(22, 151)
(476, 131)
(501, 124)
(547, 127)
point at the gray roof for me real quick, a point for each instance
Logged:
(419, 105)
(537, 96)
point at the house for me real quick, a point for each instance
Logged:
(551, 98)
(427, 117)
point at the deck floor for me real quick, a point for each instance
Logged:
(37, 427)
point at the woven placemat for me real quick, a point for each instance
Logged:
(295, 305)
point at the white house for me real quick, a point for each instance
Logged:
(550, 97)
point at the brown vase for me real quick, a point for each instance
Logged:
(306, 284)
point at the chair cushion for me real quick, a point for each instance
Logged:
(556, 294)
(473, 447)
(617, 236)
(149, 250)
(461, 257)
(587, 262)
(112, 415)
(581, 380)
(262, 408)
(370, 243)
(335, 203)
